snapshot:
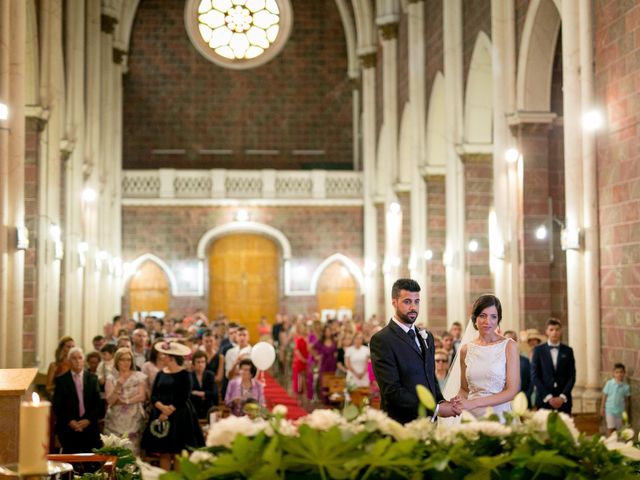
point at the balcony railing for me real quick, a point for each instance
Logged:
(241, 184)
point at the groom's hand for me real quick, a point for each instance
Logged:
(449, 409)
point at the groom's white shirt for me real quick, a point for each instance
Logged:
(406, 330)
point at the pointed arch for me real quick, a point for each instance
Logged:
(478, 108)
(349, 264)
(535, 59)
(350, 36)
(436, 135)
(150, 257)
(365, 26)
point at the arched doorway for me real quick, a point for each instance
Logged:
(244, 279)
(148, 291)
(337, 289)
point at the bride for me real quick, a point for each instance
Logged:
(486, 371)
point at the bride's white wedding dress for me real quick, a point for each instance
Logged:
(486, 373)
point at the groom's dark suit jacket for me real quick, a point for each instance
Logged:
(553, 381)
(399, 366)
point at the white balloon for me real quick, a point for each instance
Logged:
(263, 355)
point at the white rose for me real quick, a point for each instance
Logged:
(280, 410)
(199, 456)
(224, 432)
(423, 334)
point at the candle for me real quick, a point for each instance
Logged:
(34, 436)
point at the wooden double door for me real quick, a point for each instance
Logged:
(244, 280)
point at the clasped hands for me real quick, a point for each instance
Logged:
(165, 410)
(79, 425)
(451, 408)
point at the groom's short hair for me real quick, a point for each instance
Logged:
(407, 284)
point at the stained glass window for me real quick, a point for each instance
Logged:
(234, 32)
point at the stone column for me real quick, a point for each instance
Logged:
(504, 234)
(455, 252)
(573, 192)
(372, 264)
(12, 141)
(590, 217)
(417, 91)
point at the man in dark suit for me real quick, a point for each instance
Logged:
(78, 407)
(403, 358)
(553, 370)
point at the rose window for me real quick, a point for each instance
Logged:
(232, 33)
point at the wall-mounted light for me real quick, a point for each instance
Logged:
(394, 207)
(89, 195)
(447, 258)
(83, 248)
(542, 232)
(242, 216)
(512, 155)
(592, 120)
(473, 246)
(22, 238)
(428, 255)
(4, 111)
(101, 257)
(570, 239)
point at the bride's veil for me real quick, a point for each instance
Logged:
(452, 382)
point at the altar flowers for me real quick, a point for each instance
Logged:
(361, 444)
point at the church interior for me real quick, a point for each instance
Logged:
(152, 164)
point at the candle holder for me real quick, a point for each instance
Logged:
(56, 471)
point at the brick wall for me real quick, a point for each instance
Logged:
(617, 75)
(476, 17)
(436, 242)
(478, 191)
(176, 99)
(29, 325)
(434, 41)
(173, 233)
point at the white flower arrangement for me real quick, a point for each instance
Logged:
(612, 442)
(323, 419)
(280, 410)
(225, 431)
(200, 456)
(113, 441)
(538, 422)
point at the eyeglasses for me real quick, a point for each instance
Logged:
(441, 360)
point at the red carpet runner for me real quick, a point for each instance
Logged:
(275, 394)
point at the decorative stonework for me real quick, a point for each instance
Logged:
(368, 60)
(389, 31)
(108, 24)
(118, 55)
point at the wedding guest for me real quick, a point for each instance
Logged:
(447, 345)
(125, 392)
(173, 423)
(264, 330)
(98, 341)
(139, 347)
(442, 366)
(346, 340)
(93, 361)
(106, 366)
(553, 370)
(526, 386)
(300, 359)
(77, 406)
(243, 389)
(236, 354)
(61, 363)
(616, 399)
(215, 359)
(123, 342)
(325, 351)
(204, 392)
(356, 360)
(157, 361)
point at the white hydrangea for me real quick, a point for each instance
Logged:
(472, 430)
(539, 422)
(322, 419)
(287, 428)
(224, 432)
(420, 429)
(199, 456)
(382, 422)
(113, 441)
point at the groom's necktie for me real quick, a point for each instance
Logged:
(412, 336)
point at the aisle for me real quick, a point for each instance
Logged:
(275, 394)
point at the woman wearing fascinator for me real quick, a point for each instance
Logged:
(173, 425)
(486, 370)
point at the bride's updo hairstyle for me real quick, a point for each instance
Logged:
(485, 301)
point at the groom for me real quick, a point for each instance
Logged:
(403, 357)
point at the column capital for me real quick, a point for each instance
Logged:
(108, 23)
(118, 55)
(389, 31)
(415, 1)
(354, 83)
(368, 60)
(530, 121)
